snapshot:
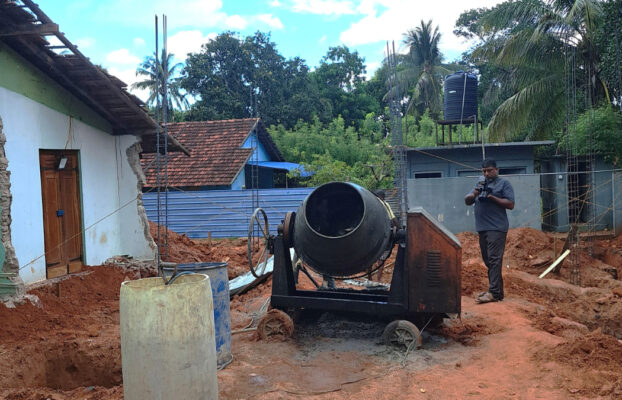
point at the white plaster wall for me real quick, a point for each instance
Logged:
(107, 184)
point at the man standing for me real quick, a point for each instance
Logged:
(491, 196)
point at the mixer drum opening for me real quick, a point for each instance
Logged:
(341, 229)
(335, 210)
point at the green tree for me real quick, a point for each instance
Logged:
(341, 86)
(422, 72)
(335, 151)
(608, 40)
(154, 72)
(235, 78)
(597, 130)
(536, 44)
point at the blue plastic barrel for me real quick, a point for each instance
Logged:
(217, 272)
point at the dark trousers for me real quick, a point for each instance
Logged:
(492, 245)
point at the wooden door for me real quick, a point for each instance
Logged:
(61, 212)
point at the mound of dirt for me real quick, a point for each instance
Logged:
(589, 358)
(182, 249)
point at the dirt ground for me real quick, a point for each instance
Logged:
(548, 339)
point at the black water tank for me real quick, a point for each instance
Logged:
(460, 87)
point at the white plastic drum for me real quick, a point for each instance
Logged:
(168, 348)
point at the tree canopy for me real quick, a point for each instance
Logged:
(531, 57)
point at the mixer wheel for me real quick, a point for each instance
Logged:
(275, 324)
(401, 333)
(258, 240)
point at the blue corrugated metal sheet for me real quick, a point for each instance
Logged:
(223, 213)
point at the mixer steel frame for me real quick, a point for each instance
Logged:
(426, 277)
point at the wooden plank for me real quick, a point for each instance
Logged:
(552, 267)
(51, 66)
(75, 266)
(70, 201)
(55, 271)
(39, 30)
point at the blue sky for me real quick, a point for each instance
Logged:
(118, 34)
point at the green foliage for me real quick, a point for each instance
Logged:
(235, 78)
(524, 51)
(335, 151)
(156, 73)
(604, 125)
(608, 41)
(420, 74)
(341, 86)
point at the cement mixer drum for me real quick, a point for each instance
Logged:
(341, 229)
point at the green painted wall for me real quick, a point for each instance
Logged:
(18, 75)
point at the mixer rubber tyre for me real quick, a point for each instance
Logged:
(275, 324)
(401, 333)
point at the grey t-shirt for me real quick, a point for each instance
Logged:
(489, 216)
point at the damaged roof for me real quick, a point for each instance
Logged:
(216, 152)
(26, 30)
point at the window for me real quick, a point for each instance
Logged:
(472, 173)
(512, 171)
(424, 175)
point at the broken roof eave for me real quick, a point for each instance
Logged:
(24, 28)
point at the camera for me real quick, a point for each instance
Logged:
(484, 190)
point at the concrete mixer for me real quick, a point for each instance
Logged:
(342, 229)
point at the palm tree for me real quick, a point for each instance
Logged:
(421, 70)
(548, 49)
(155, 73)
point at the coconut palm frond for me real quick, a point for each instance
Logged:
(513, 114)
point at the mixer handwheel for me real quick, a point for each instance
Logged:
(402, 334)
(258, 238)
(275, 323)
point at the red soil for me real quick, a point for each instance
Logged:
(547, 339)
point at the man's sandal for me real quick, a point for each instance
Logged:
(487, 297)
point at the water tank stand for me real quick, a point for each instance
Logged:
(467, 121)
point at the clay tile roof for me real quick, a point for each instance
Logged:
(216, 153)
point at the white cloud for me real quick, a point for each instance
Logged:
(323, 7)
(139, 42)
(270, 20)
(85, 43)
(275, 3)
(184, 42)
(389, 19)
(322, 39)
(236, 22)
(128, 75)
(197, 13)
(370, 68)
(122, 56)
(184, 14)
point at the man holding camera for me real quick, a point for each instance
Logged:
(491, 196)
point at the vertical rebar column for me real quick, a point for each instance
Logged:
(157, 118)
(397, 137)
(574, 205)
(254, 164)
(165, 67)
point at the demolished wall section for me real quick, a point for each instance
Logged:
(11, 264)
(133, 158)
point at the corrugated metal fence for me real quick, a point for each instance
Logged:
(223, 213)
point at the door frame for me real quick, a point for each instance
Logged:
(75, 265)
